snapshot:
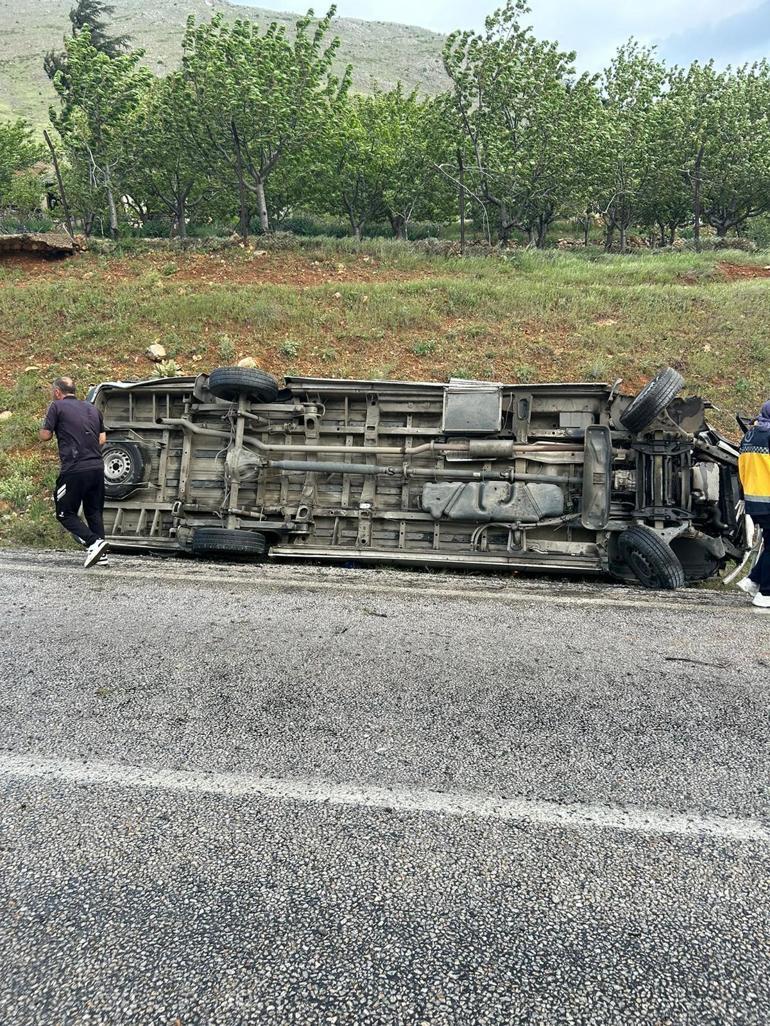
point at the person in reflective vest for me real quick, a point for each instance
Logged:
(754, 470)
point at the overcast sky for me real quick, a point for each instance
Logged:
(732, 31)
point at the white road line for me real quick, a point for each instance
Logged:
(577, 816)
(514, 594)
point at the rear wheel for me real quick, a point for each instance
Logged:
(652, 400)
(220, 541)
(652, 561)
(231, 383)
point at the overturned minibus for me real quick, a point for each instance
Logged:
(539, 477)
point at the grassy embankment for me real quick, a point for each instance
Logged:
(376, 311)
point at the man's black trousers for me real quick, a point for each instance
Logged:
(761, 572)
(86, 488)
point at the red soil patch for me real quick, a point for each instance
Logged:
(33, 263)
(738, 272)
(283, 268)
(257, 267)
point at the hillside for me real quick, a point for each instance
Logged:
(379, 52)
(377, 310)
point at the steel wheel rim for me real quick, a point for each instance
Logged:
(117, 467)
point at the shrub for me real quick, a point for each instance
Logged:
(226, 349)
(738, 242)
(290, 348)
(166, 369)
(424, 348)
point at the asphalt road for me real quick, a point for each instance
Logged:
(297, 795)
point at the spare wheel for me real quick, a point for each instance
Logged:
(123, 468)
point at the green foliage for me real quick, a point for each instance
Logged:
(257, 130)
(424, 348)
(99, 96)
(256, 98)
(18, 152)
(166, 369)
(523, 121)
(226, 349)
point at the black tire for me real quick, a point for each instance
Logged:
(123, 468)
(231, 383)
(652, 400)
(219, 541)
(650, 559)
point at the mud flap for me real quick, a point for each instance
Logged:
(597, 477)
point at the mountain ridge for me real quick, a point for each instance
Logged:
(380, 52)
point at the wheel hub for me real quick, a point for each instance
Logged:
(117, 467)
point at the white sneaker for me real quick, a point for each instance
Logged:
(761, 601)
(748, 586)
(95, 551)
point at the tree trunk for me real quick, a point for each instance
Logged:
(461, 199)
(542, 233)
(609, 237)
(586, 229)
(398, 225)
(113, 213)
(243, 206)
(264, 224)
(180, 226)
(662, 229)
(622, 229)
(505, 224)
(696, 199)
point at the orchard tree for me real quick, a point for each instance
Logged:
(163, 167)
(258, 97)
(519, 109)
(409, 130)
(624, 157)
(91, 15)
(663, 203)
(350, 170)
(692, 109)
(378, 161)
(99, 96)
(737, 163)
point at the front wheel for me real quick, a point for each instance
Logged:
(653, 399)
(651, 560)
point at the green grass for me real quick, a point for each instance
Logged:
(529, 316)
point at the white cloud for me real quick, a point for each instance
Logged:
(592, 27)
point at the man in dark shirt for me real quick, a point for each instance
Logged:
(79, 431)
